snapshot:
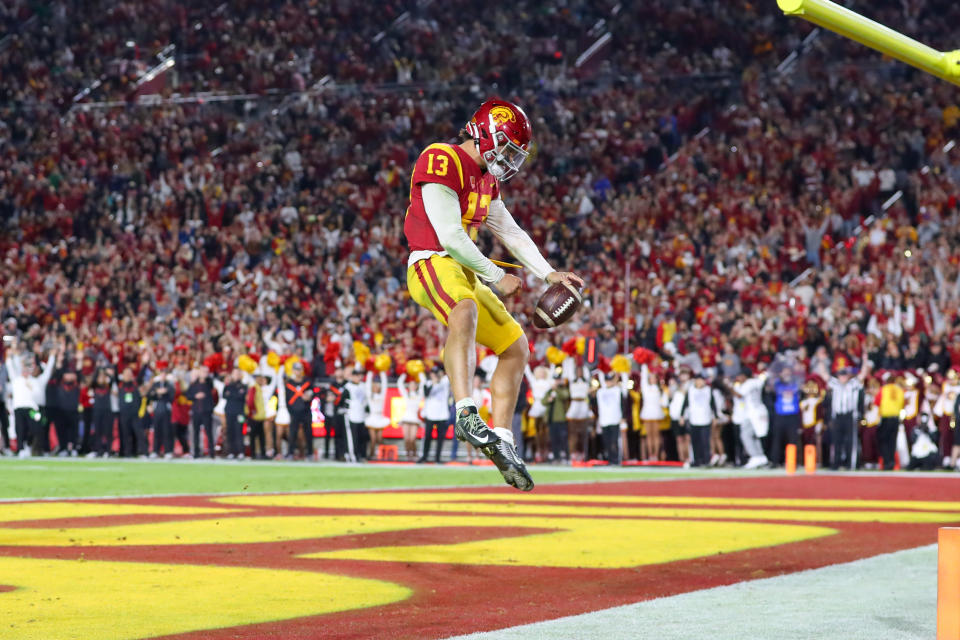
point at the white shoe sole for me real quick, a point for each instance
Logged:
(504, 455)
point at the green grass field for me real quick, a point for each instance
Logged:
(70, 478)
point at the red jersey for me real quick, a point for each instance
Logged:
(452, 167)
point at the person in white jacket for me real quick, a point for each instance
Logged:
(699, 411)
(651, 411)
(412, 393)
(28, 390)
(357, 416)
(436, 412)
(750, 414)
(610, 419)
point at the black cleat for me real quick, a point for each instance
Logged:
(471, 428)
(503, 453)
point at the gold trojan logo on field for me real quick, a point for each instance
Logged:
(502, 115)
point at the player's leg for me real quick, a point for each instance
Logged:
(504, 387)
(505, 383)
(443, 286)
(460, 349)
(497, 330)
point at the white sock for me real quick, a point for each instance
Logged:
(505, 434)
(466, 403)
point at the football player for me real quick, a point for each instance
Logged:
(455, 188)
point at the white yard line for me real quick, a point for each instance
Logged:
(887, 597)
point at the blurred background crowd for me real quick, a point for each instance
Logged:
(185, 183)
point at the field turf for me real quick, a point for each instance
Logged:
(77, 478)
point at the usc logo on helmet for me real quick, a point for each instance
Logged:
(502, 134)
(502, 115)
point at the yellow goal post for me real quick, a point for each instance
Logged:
(847, 23)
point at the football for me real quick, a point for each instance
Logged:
(557, 305)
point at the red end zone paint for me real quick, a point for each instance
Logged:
(516, 595)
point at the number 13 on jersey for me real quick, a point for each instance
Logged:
(443, 162)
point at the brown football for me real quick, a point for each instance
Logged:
(557, 305)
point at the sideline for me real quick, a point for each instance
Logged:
(886, 597)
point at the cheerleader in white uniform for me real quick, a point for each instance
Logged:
(651, 411)
(219, 412)
(579, 414)
(413, 393)
(282, 418)
(376, 420)
(268, 385)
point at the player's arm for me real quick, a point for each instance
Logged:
(443, 210)
(518, 242)
(505, 228)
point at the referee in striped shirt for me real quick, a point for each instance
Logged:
(846, 393)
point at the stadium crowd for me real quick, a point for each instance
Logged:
(145, 250)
